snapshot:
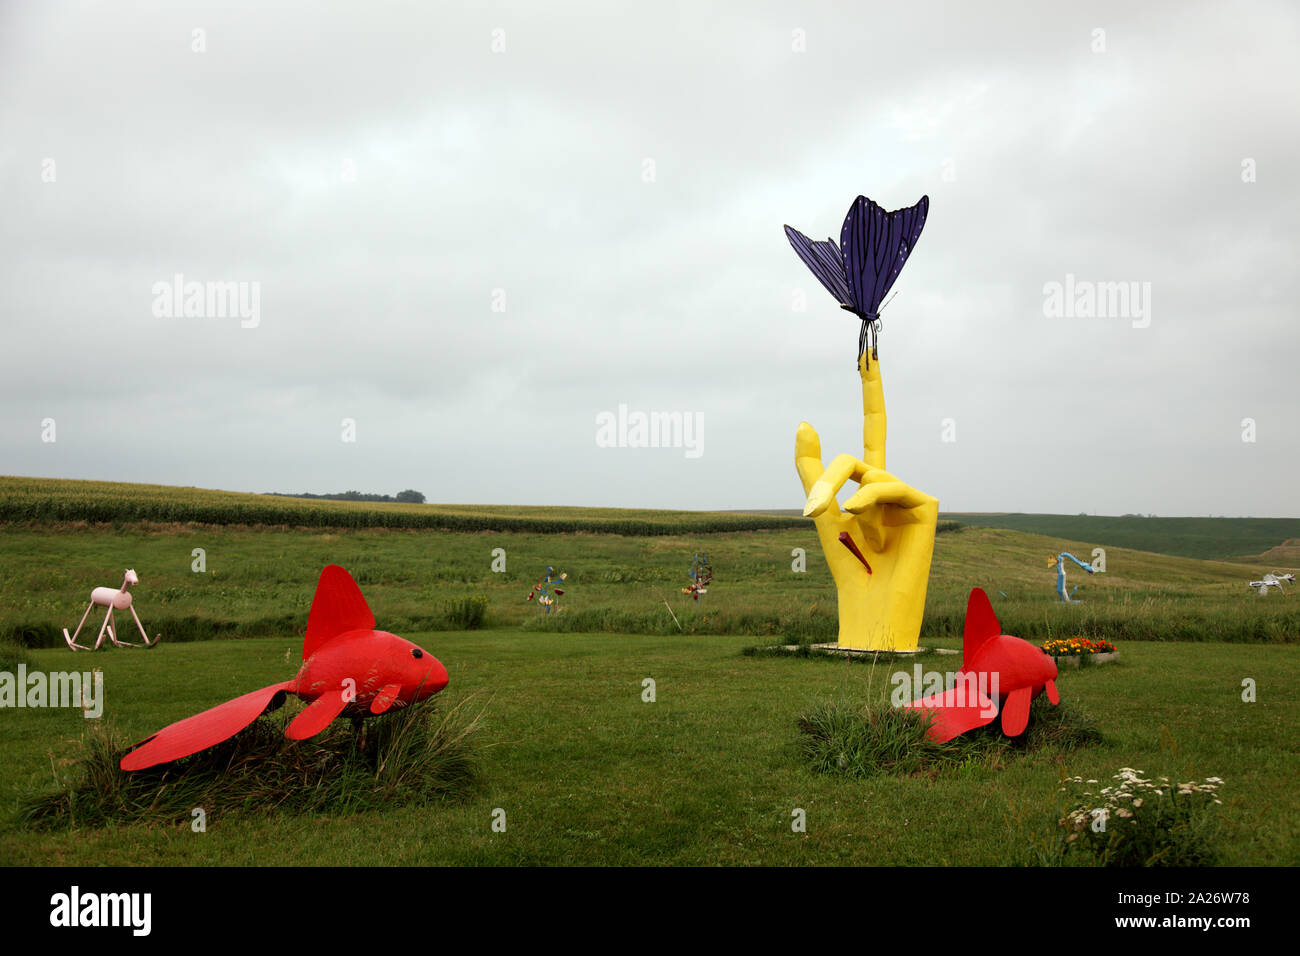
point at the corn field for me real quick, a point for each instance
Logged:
(46, 500)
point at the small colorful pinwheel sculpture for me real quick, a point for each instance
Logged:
(546, 591)
(701, 576)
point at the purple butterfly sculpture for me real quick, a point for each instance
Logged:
(860, 271)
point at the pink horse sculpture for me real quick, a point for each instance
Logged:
(114, 599)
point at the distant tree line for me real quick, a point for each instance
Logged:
(409, 496)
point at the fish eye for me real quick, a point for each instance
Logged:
(417, 653)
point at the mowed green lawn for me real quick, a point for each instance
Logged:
(588, 773)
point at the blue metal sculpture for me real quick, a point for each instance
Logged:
(1059, 561)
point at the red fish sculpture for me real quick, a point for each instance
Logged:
(348, 667)
(993, 665)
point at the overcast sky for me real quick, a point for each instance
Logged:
(473, 228)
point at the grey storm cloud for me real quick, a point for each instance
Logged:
(475, 228)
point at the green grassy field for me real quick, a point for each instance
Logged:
(259, 582)
(588, 773)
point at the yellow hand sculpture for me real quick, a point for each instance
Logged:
(881, 579)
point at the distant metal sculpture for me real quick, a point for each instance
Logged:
(1273, 581)
(348, 668)
(1059, 561)
(118, 599)
(701, 576)
(546, 592)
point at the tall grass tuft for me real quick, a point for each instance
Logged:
(856, 741)
(465, 613)
(415, 755)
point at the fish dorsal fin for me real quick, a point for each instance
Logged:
(981, 624)
(338, 607)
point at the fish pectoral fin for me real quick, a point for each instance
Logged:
(317, 715)
(1015, 712)
(384, 699)
(1052, 694)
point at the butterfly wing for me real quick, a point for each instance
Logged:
(824, 260)
(876, 245)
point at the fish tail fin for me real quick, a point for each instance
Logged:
(192, 734)
(953, 713)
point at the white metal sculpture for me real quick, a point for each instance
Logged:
(1273, 581)
(118, 599)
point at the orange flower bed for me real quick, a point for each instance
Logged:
(1078, 645)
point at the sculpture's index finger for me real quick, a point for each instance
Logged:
(873, 413)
